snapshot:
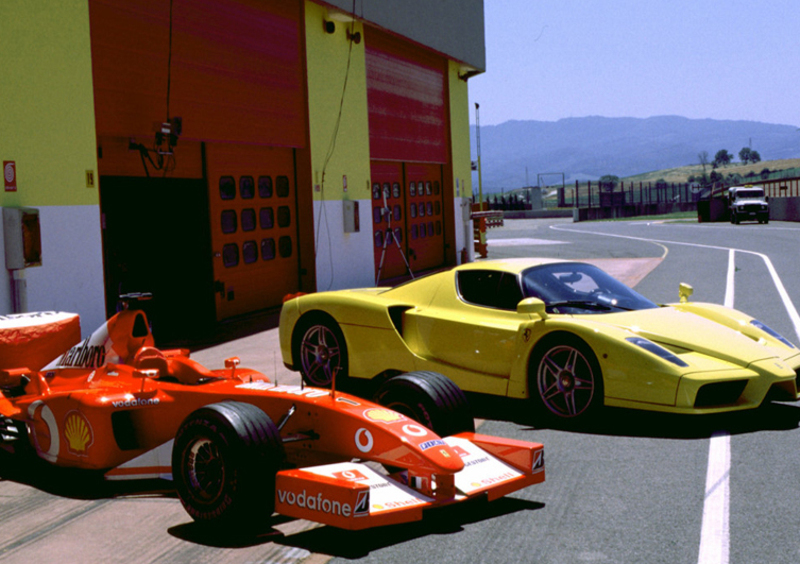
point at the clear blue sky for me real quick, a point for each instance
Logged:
(552, 59)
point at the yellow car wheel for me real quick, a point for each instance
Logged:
(321, 349)
(566, 382)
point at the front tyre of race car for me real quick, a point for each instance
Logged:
(429, 398)
(565, 381)
(224, 462)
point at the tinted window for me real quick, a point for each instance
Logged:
(580, 288)
(282, 186)
(284, 216)
(247, 187)
(230, 255)
(265, 186)
(249, 252)
(248, 219)
(266, 218)
(489, 288)
(267, 249)
(285, 246)
(227, 188)
(229, 221)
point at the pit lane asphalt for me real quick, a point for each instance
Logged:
(631, 490)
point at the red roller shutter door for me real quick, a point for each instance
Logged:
(235, 73)
(236, 80)
(408, 126)
(388, 220)
(425, 224)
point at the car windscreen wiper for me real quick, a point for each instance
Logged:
(586, 304)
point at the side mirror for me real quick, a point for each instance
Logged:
(684, 291)
(532, 306)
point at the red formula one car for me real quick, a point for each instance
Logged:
(237, 445)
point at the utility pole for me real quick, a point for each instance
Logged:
(478, 137)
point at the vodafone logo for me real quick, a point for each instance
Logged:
(364, 440)
(350, 475)
(414, 430)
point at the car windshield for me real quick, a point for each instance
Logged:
(575, 287)
(749, 194)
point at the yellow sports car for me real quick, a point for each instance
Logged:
(564, 334)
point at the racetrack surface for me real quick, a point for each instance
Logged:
(635, 488)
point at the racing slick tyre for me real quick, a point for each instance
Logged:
(564, 379)
(428, 398)
(224, 462)
(322, 351)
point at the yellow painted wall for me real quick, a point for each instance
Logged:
(47, 112)
(459, 130)
(327, 58)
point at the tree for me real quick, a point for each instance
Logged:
(723, 157)
(703, 158)
(755, 157)
(744, 154)
(608, 182)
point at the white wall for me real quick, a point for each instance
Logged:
(71, 276)
(344, 260)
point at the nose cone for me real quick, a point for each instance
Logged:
(441, 456)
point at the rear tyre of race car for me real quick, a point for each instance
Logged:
(224, 462)
(429, 398)
(565, 381)
(320, 350)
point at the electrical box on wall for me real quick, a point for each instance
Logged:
(23, 239)
(351, 222)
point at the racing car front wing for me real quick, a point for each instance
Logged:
(353, 495)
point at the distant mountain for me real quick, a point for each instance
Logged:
(590, 147)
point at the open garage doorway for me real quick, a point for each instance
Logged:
(156, 239)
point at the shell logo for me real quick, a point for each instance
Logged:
(385, 415)
(78, 433)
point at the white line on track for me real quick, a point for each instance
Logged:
(715, 530)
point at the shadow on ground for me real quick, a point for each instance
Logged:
(771, 416)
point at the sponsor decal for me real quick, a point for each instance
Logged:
(538, 462)
(351, 475)
(83, 355)
(362, 504)
(480, 460)
(418, 482)
(78, 433)
(384, 415)
(396, 504)
(322, 504)
(292, 390)
(414, 430)
(459, 451)
(364, 440)
(505, 476)
(135, 402)
(45, 430)
(430, 444)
